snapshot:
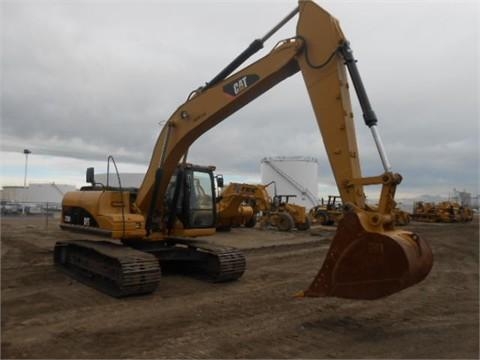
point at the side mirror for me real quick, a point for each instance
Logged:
(90, 175)
(219, 181)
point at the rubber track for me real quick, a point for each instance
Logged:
(114, 269)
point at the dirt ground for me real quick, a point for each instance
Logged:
(45, 314)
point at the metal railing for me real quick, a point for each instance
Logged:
(39, 212)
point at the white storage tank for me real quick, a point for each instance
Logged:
(293, 175)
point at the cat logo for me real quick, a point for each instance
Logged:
(240, 84)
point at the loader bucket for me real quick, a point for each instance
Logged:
(370, 265)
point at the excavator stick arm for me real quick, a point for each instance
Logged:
(367, 258)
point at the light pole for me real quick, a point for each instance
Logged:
(26, 152)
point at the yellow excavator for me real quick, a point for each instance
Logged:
(367, 259)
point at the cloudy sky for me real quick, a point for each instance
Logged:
(84, 79)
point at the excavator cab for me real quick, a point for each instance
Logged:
(191, 197)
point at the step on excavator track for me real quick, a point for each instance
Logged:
(114, 269)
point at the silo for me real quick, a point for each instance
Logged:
(293, 175)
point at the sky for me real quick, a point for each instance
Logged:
(81, 80)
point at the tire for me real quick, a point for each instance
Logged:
(407, 219)
(322, 218)
(251, 222)
(303, 226)
(285, 222)
(224, 228)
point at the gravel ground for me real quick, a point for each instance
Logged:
(45, 314)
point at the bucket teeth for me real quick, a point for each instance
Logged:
(370, 265)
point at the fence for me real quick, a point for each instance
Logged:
(45, 210)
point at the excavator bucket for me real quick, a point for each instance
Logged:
(370, 265)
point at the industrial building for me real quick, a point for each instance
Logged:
(32, 199)
(35, 193)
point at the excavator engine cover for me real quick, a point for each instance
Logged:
(370, 265)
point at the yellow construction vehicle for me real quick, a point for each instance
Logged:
(241, 204)
(278, 212)
(402, 217)
(367, 259)
(444, 211)
(465, 214)
(284, 215)
(424, 212)
(452, 211)
(238, 204)
(327, 213)
(331, 211)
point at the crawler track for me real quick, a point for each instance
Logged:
(114, 269)
(223, 263)
(120, 270)
(198, 258)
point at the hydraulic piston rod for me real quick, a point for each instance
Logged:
(255, 46)
(368, 114)
(381, 150)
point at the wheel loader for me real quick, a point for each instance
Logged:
(327, 213)
(284, 215)
(281, 214)
(160, 223)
